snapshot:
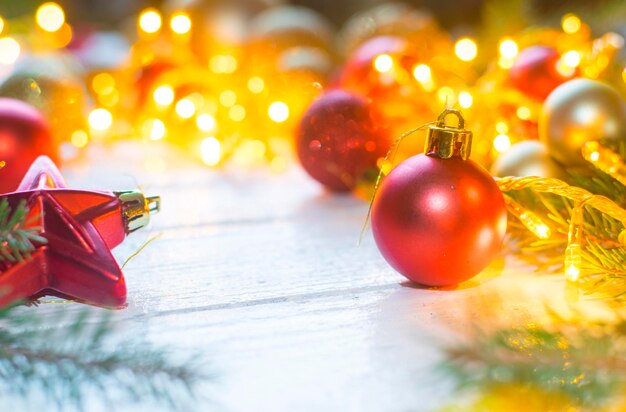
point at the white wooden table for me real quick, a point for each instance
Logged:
(262, 274)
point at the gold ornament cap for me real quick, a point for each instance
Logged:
(136, 209)
(445, 141)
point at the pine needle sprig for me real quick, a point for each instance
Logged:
(581, 363)
(18, 235)
(72, 362)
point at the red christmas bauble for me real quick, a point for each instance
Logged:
(340, 140)
(439, 221)
(24, 136)
(535, 72)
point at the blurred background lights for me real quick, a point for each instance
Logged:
(9, 50)
(154, 129)
(205, 122)
(185, 108)
(180, 23)
(256, 84)
(163, 95)
(79, 138)
(523, 112)
(501, 143)
(100, 119)
(237, 113)
(278, 112)
(225, 64)
(50, 17)
(211, 151)
(466, 49)
(422, 73)
(228, 98)
(383, 63)
(103, 83)
(508, 48)
(2, 24)
(570, 23)
(571, 58)
(465, 100)
(150, 21)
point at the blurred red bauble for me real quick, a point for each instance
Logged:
(24, 136)
(438, 220)
(535, 72)
(339, 140)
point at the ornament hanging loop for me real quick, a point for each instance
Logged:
(445, 141)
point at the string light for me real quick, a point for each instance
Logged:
(9, 50)
(50, 17)
(529, 219)
(150, 21)
(508, 48)
(571, 23)
(605, 160)
(100, 119)
(211, 151)
(180, 23)
(571, 58)
(466, 49)
(163, 95)
(383, 63)
(523, 112)
(278, 112)
(573, 252)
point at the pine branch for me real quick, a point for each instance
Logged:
(18, 236)
(580, 363)
(67, 363)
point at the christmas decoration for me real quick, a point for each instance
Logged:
(527, 158)
(339, 140)
(535, 71)
(24, 135)
(438, 217)
(580, 111)
(79, 228)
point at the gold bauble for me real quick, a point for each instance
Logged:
(579, 111)
(527, 158)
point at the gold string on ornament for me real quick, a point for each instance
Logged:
(388, 159)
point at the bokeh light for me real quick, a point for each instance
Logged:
(100, 119)
(278, 112)
(150, 21)
(9, 50)
(383, 63)
(50, 17)
(466, 49)
(180, 23)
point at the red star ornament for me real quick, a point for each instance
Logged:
(80, 227)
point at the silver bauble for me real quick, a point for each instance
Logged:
(527, 158)
(579, 111)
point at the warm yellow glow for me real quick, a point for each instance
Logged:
(9, 50)
(50, 17)
(502, 127)
(223, 64)
(571, 58)
(256, 84)
(163, 95)
(100, 119)
(535, 224)
(572, 273)
(564, 69)
(79, 138)
(103, 83)
(465, 100)
(180, 23)
(278, 164)
(237, 113)
(185, 108)
(501, 143)
(506, 62)
(594, 156)
(150, 21)
(523, 112)
(278, 112)
(624, 74)
(154, 129)
(383, 63)
(206, 122)
(570, 23)
(211, 151)
(228, 98)
(466, 49)
(109, 100)
(446, 96)
(508, 48)
(422, 73)
(2, 24)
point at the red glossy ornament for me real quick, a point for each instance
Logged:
(535, 72)
(339, 140)
(24, 135)
(80, 227)
(439, 218)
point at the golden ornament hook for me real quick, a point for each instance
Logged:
(445, 141)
